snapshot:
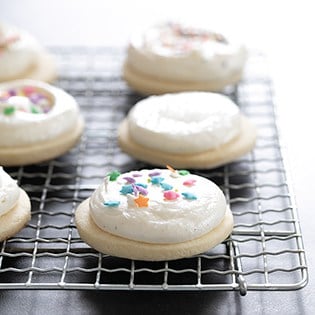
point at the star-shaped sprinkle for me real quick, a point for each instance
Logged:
(157, 180)
(111, 203)
(166, 186)
(142, 201)
(170, 195)
(183, 172)
(113, 175)
(9, 110)
(189, 196)
(126, 189)
(189, 182)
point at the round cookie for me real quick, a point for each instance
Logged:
(172, 57)
(186, 130)
(14, 207)
(38, 122)
(154, 215)
(22, 57)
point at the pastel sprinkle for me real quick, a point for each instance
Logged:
(183, 172)
(189, 182)
(170, 168)
(189, 195)
(155, 173)
(113, 175)
(9, 110)
(142, 185)
(136, 175)
(137, 189)
(127, 189)
(166, 186)
(142, 201)
(157, 180)
(112, 203)
(129, 180)
(35, 110)
(170, 195)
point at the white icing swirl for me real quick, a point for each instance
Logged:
(162, 220)
(187, 122)
(9, 192)
(174, 52)
(17, 57)
(25, 128)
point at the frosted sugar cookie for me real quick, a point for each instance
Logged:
(186, 130)
(15, 207)
(172, 57)
(37, 122)
(22, 57)
(159, 214)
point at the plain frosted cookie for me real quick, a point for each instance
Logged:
(38, 122)
(15, 207)
(22, 57)
(171, 57)
(159, 214)
(186, 130)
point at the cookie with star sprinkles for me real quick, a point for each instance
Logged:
(38, 122)
(15, 206)
(153, 215)
(173, 57)
(22, 57)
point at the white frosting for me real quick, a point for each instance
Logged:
(19, 56)
(187, 122)
(162, 220)
(9, 192)
(174, 52)
(25, 128)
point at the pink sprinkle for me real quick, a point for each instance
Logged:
(189, 182)
(28, 90)
(170, 195)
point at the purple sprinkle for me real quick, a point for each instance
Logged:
(156, 173)
(12, 92)
(136, 175)
(35, 98)
(130, 180)
(138, 189)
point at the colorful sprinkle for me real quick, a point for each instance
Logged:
(127, 189)
(142, 201)
(189, 195)
(170, 168)
(9, 110)
(112, 203)
(170, 195)
(166, 186)
(113, 175)
(157, 180)
(129, 180)
(136, 175)
(142, 185)
(139, 190)
(189, 182)
(183, 172)
(155, 173)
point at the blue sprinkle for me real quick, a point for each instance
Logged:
(126, 189)
(112, 203)
(142, 185)
(166, 186)
(189, 196)
(157, 180)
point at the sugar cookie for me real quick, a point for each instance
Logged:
(159, 214)
(172, 57)
(14, 206)
(186, 130)
(37, 122)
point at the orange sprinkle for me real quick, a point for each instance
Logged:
(170, 168)
(142, 201)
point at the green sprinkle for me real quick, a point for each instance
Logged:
(9, 110)
(183, 172)
(113, 175)
(35, 110)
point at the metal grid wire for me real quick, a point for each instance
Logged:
(265, 251)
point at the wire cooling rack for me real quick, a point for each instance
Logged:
(264, 252)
